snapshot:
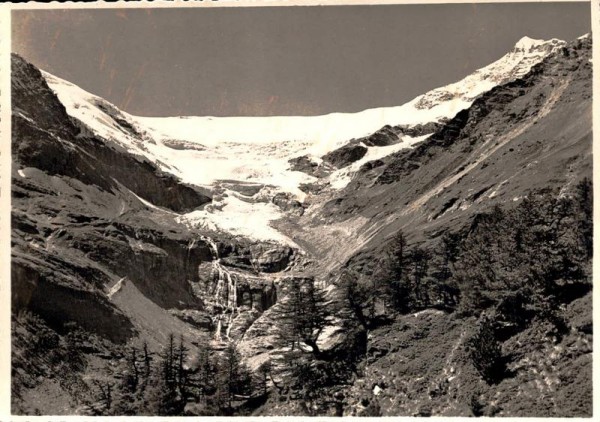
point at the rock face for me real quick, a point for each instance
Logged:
(419, 130)
(303, 164)
(251, 291)
(257, 294)
(33, 288)
(287, 203)
(307, 165)
(79, 224)
(383, 137)
(271, 259)
(255, 256)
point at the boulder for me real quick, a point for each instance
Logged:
(303, 164)
(287, 203)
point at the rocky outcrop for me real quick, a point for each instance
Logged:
(90, 258)
(161, 265)
(271, 258)
(34, 289)
(252, 291)
(419, 129)
(303, 164)
(307, 165)
(198, 319)
(383, 137)
(346, 155)
(256, 257)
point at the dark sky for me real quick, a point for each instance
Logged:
(279, 60)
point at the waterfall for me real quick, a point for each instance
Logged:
(213, 246)
(218, 330)
(220, 283)
(231, 302)
(231, 291)
(224, 281)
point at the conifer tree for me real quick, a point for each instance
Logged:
(303, 314)
(486, 354)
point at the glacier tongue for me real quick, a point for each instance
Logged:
(239, 217)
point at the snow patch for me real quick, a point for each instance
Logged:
(114, 289)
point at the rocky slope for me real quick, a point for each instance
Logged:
(530, 134)
(419, 366)
(133, 229)
(534, 132)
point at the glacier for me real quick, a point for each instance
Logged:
(214, 152)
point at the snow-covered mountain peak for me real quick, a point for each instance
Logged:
(527, 44)
(526, 53)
